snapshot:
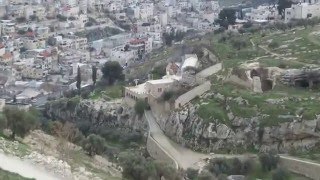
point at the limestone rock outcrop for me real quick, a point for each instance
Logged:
(187, 128)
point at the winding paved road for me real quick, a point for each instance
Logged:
(185, 157)
(24, 168)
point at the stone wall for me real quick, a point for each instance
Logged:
(236, 80)
(210, 70)
(188, 96)
(158, 153)
(306, 168)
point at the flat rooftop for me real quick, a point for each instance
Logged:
(161, 81)
(139, 89)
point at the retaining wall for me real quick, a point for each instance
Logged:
(210, 70)
(188, 96)
(158, 153)
(306, 168)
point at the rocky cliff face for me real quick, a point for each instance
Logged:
(241, 134)
(95, 113)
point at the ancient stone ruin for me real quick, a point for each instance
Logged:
(307, 78)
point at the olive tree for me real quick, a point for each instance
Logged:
(94, 144)
(19, 121)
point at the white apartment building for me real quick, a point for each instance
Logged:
(8, 27)
(121, 56)
(114, 6)
(302, 11)
(262, 13)
(34, 43)
(146, 10)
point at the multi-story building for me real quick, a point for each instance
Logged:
(7, 27)
(34, 43)
(262, 13)
(302, 11)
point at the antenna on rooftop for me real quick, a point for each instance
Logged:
(136, 81)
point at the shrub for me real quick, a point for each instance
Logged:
(192, 173)
(268, 161)
(3, 122)
(140, 106)
(167, 95)
(282, 65)
(159, 71)
(280, 174)
(94, 144)
(205, 175)
(273, 45)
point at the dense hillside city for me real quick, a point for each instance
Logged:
(159, 89)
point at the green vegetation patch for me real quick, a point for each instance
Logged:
(113, 92)
(211, 110)
(6, 175)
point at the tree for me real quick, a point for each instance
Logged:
(112, 71)
(3, 122)
(236, 166)
(20, 122)
(241, 31)
(140, 106)
(268, 161)
(283, 4)
(21, 32)
(280, 174)
(198, 51)
(227, 17)
(61, 18)
(205, 175)
(168, 38)
(78, 80)
(137, 167)
(165, 171)
(126, 47)
(52, 41)
(192, 174)
(179, 35)
(281, 26)
(159, 71)
(94, 75)
(167, 95)
(94, 144)
(238, 44)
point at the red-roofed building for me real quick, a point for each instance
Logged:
(45, 54)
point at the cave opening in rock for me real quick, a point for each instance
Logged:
(302, 83)
(254, 73)
(266, 85)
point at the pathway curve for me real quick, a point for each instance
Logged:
(24, 168)
(186, 158)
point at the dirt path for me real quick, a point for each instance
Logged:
(24, 168)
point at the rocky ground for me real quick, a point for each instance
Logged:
(44, 151)
(240, 134)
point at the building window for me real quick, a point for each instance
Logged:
(159, 89)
